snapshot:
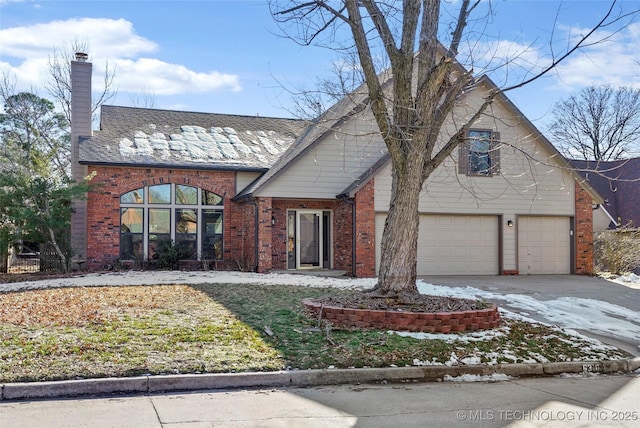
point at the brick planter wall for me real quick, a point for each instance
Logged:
(438, 322)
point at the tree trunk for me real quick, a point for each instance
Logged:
(59, 252)
(399, 247)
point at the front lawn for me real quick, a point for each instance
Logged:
(70, 333)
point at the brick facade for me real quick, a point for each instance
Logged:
(103, 209)
(365, 232)
(341, 234)
(265, 234)
(239, 230)
(583, 232)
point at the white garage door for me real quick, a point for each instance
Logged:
(453, 245)
(544, 245)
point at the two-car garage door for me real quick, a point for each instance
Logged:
(454, 245)
(469, 245)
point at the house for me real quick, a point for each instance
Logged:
(619, 184)
(268, 194)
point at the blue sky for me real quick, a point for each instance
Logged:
(229, 56)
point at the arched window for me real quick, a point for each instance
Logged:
(187, 216)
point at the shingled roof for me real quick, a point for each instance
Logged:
(619, 184)
(167, 138)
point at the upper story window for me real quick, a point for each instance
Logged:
(187, 216)
(480, 153)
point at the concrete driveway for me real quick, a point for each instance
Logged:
(598, 308)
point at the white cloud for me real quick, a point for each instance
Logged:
(507, 61)
(4, 2)
(162, 78)
(614, 61)
(26, 50)
(117, 37)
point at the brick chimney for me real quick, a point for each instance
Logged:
(80, 127)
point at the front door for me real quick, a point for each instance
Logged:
(309, 226)
(309, 239)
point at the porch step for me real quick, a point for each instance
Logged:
(314, 272)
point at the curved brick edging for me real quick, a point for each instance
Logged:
(425, 322)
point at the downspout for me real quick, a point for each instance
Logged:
(254, 202)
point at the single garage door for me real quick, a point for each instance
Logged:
(544, 245)
(453, 245)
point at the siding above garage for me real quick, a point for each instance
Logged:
(531, 179)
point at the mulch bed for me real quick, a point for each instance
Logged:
(420, 303)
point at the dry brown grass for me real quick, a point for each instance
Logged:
(84, 305)
(69, 333)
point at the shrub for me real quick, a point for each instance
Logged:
(617, 251)
(168, 255)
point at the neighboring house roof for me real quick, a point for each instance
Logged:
(619, 184)
(167, 138)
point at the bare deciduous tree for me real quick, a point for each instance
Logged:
(426, 80)
(598, 123)
(143, 99)
(59, 80)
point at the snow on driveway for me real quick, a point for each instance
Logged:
(566, 312)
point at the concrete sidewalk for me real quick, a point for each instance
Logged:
(573, 401)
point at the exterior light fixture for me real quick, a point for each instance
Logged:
(510, 223)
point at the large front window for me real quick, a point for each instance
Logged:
(153, 216)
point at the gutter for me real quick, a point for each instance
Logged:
(176, 166)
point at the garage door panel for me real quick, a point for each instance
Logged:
(463, 245)
(453, 245)
(544, 245)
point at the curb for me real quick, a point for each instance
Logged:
(301, 378)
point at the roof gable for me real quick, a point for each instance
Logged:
(352, 105)
(513, 109)
(166, 138)
(331, 119)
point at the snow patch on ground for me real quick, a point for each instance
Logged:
(496, 377)
(190, 277)
(631, 280)
(476, 336)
